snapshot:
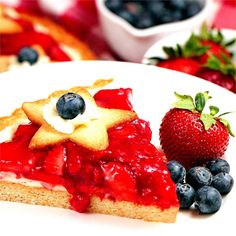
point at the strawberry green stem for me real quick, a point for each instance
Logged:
(198, 105)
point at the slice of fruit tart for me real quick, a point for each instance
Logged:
(87, 153)
(28, 40)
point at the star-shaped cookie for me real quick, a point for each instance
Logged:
(91, 135)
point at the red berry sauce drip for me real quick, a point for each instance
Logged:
(10, 44)
(105, 98)
(130, 169)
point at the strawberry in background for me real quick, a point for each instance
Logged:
(219, 71)
(205, 55)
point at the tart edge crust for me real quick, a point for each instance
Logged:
(16, 192)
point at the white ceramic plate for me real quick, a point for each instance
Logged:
(156, 50)
(152, 97)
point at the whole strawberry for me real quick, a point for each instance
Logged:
(215, 49)
(219, 71)
(214, 40)
(204, 55)
(182, 64)
(190, 136)
(217, 77)
(182, 58)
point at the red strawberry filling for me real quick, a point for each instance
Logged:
(11, 44)
(130, 169)
(105, 98)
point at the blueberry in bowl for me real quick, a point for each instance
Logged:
(131, 27)
(144, 14)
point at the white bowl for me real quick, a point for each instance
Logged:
(131, 43)
(156, 50)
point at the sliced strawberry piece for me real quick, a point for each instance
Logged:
(17, 158)
(73, 164)
(80, 202)
(97, 176)
(57, 54)
(14, 155)
(25, 132)
(12, 43)
(45, 178)
(26, 25)
(131, 131)
(114, 98)
(186, 65)
(55, 160)
(120, 180)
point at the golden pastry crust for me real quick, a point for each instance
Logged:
(16, 192)
(15, 118)
(8, 26)
(5, 62)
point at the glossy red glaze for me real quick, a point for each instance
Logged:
(105, 98)
(130, 169)
(26, 25)
(10, 44)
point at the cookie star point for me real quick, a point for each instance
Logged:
(92, 135)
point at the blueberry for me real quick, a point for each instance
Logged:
(193, 8)
(177, 4)
(185, 194)
(70, 105)
(144, 21)
(114, 5)
(177, 171)
(223, 182)
(126, 15)
(177, 15)
(207, 200)
(156, 8)
(199, 177)
(218, 165)
(166, 17)
(28, 54)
